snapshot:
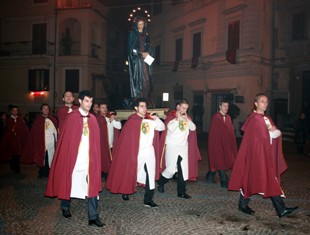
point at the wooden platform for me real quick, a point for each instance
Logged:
(123, 114)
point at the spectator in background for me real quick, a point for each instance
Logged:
(13, 139)
(41, 142)
(3, 118)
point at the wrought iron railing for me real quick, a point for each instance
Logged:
(26, 48)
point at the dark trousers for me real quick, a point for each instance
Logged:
(180, 180)
(148, 194)
(14, 163)
(277, 202)
(44, 171)
(92, 207)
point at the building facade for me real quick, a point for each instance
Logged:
(48, 47)
(207, 50)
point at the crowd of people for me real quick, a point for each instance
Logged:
(82, 145)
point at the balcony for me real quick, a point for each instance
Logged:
(61, 4)
(70, 48)
(26, 48)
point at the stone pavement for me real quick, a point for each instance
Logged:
(212, 210)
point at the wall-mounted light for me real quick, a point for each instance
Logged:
(165, 96)
(37, 93)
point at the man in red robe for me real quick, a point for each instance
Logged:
(13, 139)
(67, 108)
(41, 141)
(260, 161)
(222, 148)
(134, 158)
(76, 167)
(179, 149)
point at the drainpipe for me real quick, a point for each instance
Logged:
(273, 45)
(54, 59)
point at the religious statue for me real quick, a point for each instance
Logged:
(139, 50)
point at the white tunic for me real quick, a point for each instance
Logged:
(177, 145)
(146, 154)
(111, 126)
(79, 188)
(50, 139)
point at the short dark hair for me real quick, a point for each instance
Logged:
(138, 101)
(63, 95)
(13, 107)
(257, 96)
(41, 107)
(84, 93)
(181, 101)
(223, 101)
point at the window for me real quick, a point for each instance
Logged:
(39, 39)
(38, 80)
(233, 35)
(157, 7)
(178, 49)
(72, 77)
(39, 1)
(299, 26)
(178, 92)
(175, 2)
(197, 44)
(157, 54)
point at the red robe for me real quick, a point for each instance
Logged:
(259, 164)
(222, 147)
(60, 177)
(193, 151)
(122, 177)
(62, 113)
(13, 138)
(34, 150)
(106, 156)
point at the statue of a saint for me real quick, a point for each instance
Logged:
(139, 47)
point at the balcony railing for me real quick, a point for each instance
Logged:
(73, 4)
(69, 49)
(26, 48)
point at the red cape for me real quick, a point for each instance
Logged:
(258, 165)
(34, 150)
(106, 156)
(13, 142)
(62, 113)
(122, 177)
(193, 151)
(222, 147)
(60, 177)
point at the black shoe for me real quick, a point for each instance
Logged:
(97, 222)
(161, 188)
(184, 195)
(150, 204)
(125, 197)
(288, 211)
(224, 185)
(246, 210)
(66, 213)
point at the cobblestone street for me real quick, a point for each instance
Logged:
(212, 210)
